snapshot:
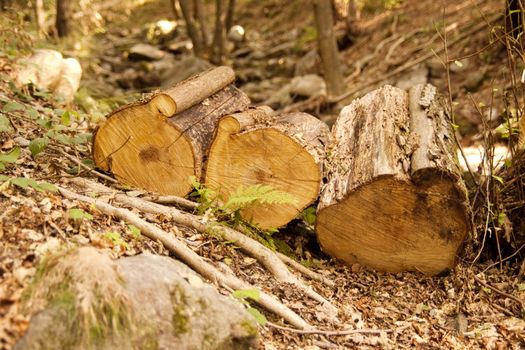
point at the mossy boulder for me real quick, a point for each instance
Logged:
(82, 299)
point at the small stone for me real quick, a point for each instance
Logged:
(236, 34)
(22, 273)
(143, 51)
(51, 245)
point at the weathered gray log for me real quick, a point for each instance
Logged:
(394, 199)
(259, 147)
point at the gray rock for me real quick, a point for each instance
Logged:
(474, 81)
(184, 68)
(308, 86)
(308, 64)
(83, 299)
(147, 52)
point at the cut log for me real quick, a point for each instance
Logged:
(158, 144)
(394, 199)
(258, 147)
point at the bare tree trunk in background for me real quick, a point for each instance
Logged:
(514, 17)
(328, 47)
(4, 4)
(176, 9)
(40, 18)
(230, 15)
(200, 17)
(193, 32)
(218, 36)
(62, 20)
(352, 18)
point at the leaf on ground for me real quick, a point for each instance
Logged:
(5, 124)
(78, 214)
(38, 145)
(10, 157)
(253, 294)
(13, 106)
(259, 318)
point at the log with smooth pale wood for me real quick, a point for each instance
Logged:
(158, 144)
(259, 147)
(394, 199)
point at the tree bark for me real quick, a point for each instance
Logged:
(328, 47)
(182, 120)
(394, 199)
(218, 35)
(200, 17)
(257, 147)
(188, 9)
(62, 18)
(230, 15)
(176, 9)
(40, 17)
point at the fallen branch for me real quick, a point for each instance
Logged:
(305, 271)
(486, 285)
(188, 256)
(253, 248)
(335, 333)
(179, 201)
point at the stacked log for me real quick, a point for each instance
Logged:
(159, 143)
(284, 151)
(394, 199)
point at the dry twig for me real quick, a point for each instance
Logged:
(188, 256)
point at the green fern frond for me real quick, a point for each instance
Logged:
(245, 197)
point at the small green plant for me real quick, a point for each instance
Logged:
(135, 231)
(242, 295)
(9, 158)
(79, 214)
(115, 238)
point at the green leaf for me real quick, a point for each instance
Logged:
(38, 145)
(13, 106)
(501, 218)
(5, 124)
(245, 197)
(21, 182)
(135, 231)
(454, 126)
(78, 214)
(253, 294)
(45, 123)
(32, 113)
(308, 215)
(10, 157)
(46, 186)
(65, 118)
(458, 63)
(499, 179)
(259, 318)
(521, 287)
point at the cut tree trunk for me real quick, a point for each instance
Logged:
(394, 199)
(158, 144)
(257, 147)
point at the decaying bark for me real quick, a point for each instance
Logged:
(394, 198)
(257, 147)
(158, 144)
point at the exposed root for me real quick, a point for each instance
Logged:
(188, 256)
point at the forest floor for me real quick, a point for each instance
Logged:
(480, 304)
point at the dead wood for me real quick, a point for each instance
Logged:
(394, 199)
(189, 257)
(255, 249)
(182, 120)
(259, 147)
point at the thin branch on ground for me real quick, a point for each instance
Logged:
(305, 271)
(335, 333)
(253, 248)
(189, 257)
(507, 295)
(179, 201)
